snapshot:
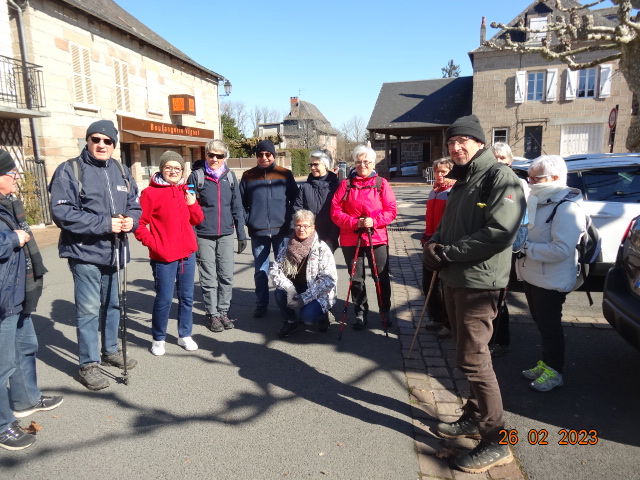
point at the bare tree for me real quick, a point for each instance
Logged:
(354, 129)
(576, 33)
(238, 112)
(264, 114)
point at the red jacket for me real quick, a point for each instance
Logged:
(166, 225)
(436, 204)
(363, 202)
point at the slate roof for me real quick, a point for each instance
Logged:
(107, 11)
(421, 104)
(308, 111)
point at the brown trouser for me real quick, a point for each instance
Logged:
(471, 313)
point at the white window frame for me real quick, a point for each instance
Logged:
(82, 81)
(572, 85)
(535, 83)
(121, 73)
(538, 23)
(520, 87)
(551, 90)
(586, 74)
(500, 138)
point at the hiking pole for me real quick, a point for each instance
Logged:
(351, 274)
(376, 280)
(424, 309)
(124, 379)
(123, 308)
(502, 303)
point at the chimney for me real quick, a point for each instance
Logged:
(295, 106)
(483, 31)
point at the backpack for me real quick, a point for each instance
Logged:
(378, 187)
(589, 247)
(199, 175)
(77, 173)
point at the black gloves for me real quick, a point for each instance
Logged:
(242, 244)
(433, 257)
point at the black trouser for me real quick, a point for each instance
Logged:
(546, 309)
(358, 289)
(436, 307)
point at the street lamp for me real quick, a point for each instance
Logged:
(227, 88)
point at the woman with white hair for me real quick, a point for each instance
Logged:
(315, 195)
(305, 277)
(548, 262)
(365, 202)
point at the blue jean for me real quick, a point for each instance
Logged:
(97, 309)
(261, 247)
(18, 348)
(309, 314)
(181, 274)
(215, 267)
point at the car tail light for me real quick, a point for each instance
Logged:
(626, 232)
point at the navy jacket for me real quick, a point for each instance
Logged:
(316, 196)
(85, 221)
(12, 267)
(222, 206)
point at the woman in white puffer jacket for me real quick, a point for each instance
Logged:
(548, 262)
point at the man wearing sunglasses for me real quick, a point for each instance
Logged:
(93, 199)
(268, 193)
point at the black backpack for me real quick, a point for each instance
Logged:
(377, 186)
(589, 248)
(199, 175)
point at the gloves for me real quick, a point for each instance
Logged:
(242, 244)
(296, 302)
(433, 257)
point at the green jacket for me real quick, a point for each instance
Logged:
(478, 237)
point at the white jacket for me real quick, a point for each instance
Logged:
(550, 258)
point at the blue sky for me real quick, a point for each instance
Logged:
(335, 54)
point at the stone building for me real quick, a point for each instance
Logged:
(306, 127)
(96, 61)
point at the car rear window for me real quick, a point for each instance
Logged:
(607, 184)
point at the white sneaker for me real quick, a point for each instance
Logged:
(188, 344)
(157, 348)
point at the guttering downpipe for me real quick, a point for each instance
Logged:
(35, 140)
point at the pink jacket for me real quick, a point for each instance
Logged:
(363, 202)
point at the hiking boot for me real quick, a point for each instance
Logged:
(499, 350)
(323, 326)
(157, 347)
(465, 426)
(14, 438)
(483, 457)
(215, 324)
(227, 323)
(117, 360)
(45, 404)
(259, 312)
(287, 329)
(535, 372)
(443, 332)
(549, 379)
(92, 378)
(361, 320)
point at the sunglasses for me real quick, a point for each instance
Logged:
(264, 154)
(219, 156)
(314, 165)
(107, 141)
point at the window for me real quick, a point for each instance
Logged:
(121, 72)
(500, 135)
(82, 84)
(535, 86)
(539, 23)
(587, 83)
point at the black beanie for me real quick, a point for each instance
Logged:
(105, 127)
(266, 146)
(6, 162)
(469, 125)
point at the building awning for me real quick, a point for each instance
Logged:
(150, 138)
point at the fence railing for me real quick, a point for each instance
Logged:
(21, 84)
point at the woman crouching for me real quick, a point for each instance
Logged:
(305, 277)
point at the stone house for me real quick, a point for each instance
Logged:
(307, 127)
(95, 61)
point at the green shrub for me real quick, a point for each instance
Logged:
(29, 193)
(300, 161)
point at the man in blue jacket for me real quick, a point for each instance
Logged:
(21, 273)
(91, 211)
(268, 193)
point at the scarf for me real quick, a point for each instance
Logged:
(159, 179)
(297, 251)
(541, 193)
(35, 268)
(217, 173)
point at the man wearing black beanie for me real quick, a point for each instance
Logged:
(471, 249)
(268, 193)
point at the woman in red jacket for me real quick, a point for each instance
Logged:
(365, 201)
(169, 212)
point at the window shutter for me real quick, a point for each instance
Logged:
(552, 84)
(153, 91)
(81, 63)
(572, 84)
(122, 85)
(520, 87)
(605, 80)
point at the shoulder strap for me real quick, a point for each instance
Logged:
(123, 173)
(232, 183)
(199, 173)
(379, 184)
(77, 173)
(555, 209)
(346, 192)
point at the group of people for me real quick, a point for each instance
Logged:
(467, 248)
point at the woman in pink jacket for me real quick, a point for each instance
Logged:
(365, 201)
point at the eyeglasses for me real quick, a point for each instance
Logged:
(173, 169)
(314, 165)
(219, 156)
(537, 178)
(460, 141)
(303, 227)
(15, 174)
(264, 154)
(364, 163)
(107, 141)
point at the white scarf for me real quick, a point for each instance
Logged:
(541, 193)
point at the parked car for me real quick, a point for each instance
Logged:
(410, 169)
(610, 186)
(621, 294)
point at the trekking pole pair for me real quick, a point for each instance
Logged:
(121, 238)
